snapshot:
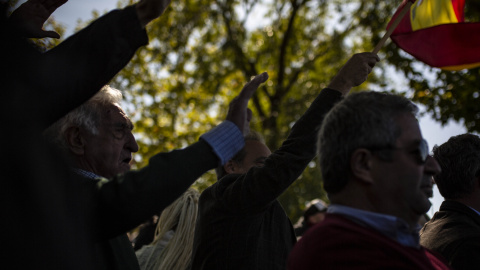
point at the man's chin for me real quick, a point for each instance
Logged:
(428, 191)
(426, 205)
(124, 167)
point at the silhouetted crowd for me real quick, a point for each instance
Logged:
(69, 197)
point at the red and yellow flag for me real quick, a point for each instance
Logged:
(435, 33)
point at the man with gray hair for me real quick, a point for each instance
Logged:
(97, 136)
(377, 173)
(454, 231)
(38, 89)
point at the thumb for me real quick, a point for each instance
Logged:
(246, 127)
(249, 115)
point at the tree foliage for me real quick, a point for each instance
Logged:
(202, 52)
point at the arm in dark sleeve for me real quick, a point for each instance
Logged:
(259, 187)
(79, 66)
(130, 199)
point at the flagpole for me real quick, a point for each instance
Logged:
(394, 25)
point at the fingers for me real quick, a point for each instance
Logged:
(372, 60)
(361, 63)
(249, 89)
(368, 58)
(52, 5)
(354, 72)
(148, 10)
(251, 86)
(238, 112)
(50, 34)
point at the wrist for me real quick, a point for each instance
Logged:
(341, 85)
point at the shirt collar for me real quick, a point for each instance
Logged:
(86, 174)
(393, 227)
(475, 210)
(90, 175)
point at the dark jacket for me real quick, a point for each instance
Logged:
(454, 232)
(53, 217)
(47, 212)
(241, 225)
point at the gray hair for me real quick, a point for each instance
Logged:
(362, 120)
(459, 159)
(86, 115)
(240, 156)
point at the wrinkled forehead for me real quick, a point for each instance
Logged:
(113, 114)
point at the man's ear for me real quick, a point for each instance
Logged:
(230, 166)
(361, 165)
(75, 140)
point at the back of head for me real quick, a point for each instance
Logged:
(362, 120)
(240, 156)
(180, 217)
(459, 159)
(86, 115)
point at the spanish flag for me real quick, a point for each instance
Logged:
(435, 33)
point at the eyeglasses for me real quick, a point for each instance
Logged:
(421, 152)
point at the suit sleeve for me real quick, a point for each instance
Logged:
(254, 191)
(77, 68)
(130, 199)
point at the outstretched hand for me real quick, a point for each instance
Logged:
(29, 18)
(354, 72)
(238, 113)
(148, 10)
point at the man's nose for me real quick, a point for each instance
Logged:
(431, 166)
(131, 143)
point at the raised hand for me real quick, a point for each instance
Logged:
(238, 113)
(354, 72)
(29, 18)
(148, 10)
